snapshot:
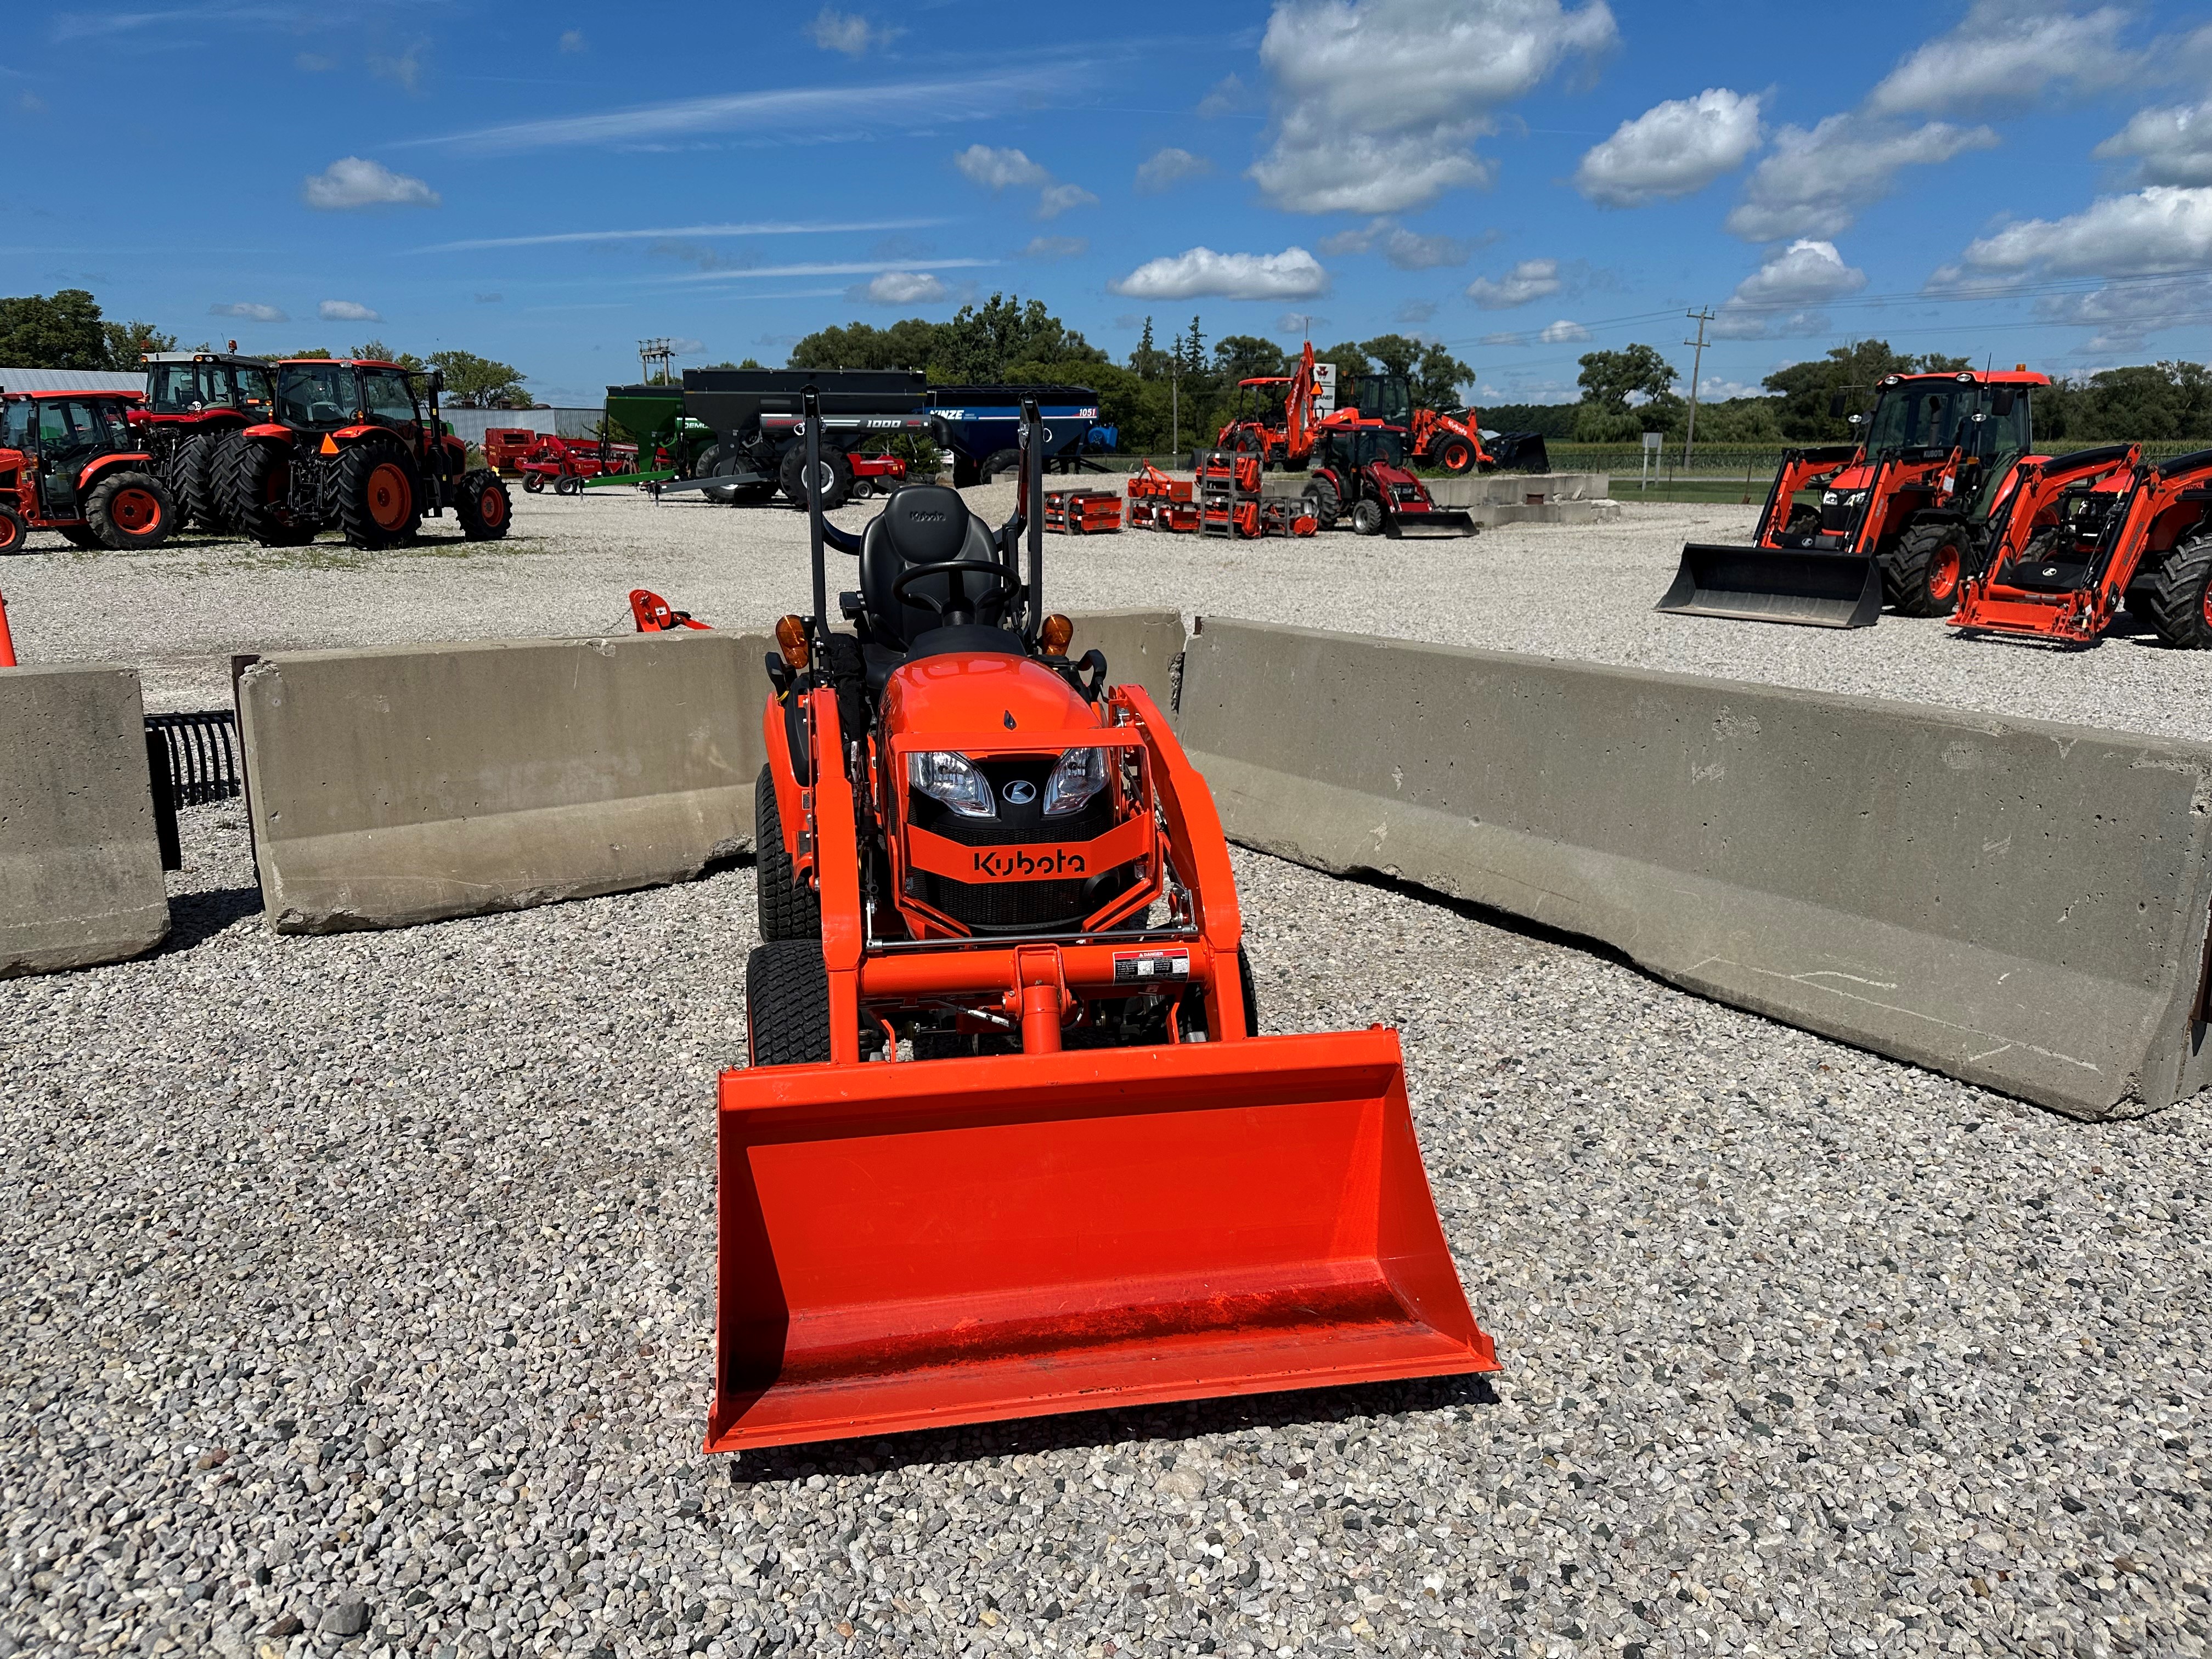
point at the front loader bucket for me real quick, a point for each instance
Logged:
(1427, 526)
(913, 1244)
(1775, 585)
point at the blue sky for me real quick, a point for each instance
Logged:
(1522, 179)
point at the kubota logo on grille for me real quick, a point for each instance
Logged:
(1027, 866)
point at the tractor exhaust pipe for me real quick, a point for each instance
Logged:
(1032, 508)
(811, 411)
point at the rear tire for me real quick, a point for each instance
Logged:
(256, 483)
(789, 908)
(1322, 502)
(14, 532)
(835, 485)
(788, 1004)
(1001, 460)
(568, 484)
(1366, 517)
(1456, 456)
(1922, 578)
(196, 483)
(482, 506)
(2180, 594)
(380, 500)
(130, 510)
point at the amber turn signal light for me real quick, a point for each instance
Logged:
(1055, 634)
(790, 639)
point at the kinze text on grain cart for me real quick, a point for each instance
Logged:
(1901, 517)
(1009, 1143)
(72, 462)
(356, 446)
(2088, 530)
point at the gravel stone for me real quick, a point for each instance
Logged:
(1805, 1351)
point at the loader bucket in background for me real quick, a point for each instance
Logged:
(1519, 452)
(1438, 522)
(912, 1245)
(1775, 585)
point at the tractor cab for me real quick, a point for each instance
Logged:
(322, 394)
(180, 383)
(62, 437)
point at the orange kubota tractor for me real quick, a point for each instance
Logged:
(353, 447)
(1010, 1142)
(2086, 531)
(1900, 517)
(72, 462)
(194, 400)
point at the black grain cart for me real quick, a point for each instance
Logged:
(758, 447)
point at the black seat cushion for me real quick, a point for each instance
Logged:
(925, 524)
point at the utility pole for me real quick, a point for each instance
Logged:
(662, 351)
(1700, 316)
(1175, 405)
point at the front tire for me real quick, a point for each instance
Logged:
(789, 908)
(14, 532)
(482, 506)
(1922, 577)
(1456, 456)
(1366, 517)
(788, 1004)
(380, 503)
(130, 510)
(2180, 608)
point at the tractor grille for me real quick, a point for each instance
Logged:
(1022, 907)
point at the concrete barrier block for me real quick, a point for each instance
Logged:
(1141, 646)
(80, 868)
(2015, 903)
(418, 782)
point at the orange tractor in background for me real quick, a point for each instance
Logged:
(1285, 437)
(354, 448)
(1902, 516)
(194, 401)
(73, 462)
(1010, 1142)
(2088, 530)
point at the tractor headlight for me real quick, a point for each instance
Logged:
(949, 778)
(1837, 498)
(1080, 775)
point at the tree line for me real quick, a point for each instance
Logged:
(65, 329)
(1628, 393)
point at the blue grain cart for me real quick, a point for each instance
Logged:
(980, 426)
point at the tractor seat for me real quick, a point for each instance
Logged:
(928, 524)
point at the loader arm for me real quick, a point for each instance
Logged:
(2003, 599)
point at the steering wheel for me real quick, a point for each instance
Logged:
(1004, 586)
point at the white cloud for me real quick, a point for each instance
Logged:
(490, 299)
(1293, 274)
(850, 33)
(2004, 54)
(2125, 317)
(2166, 228)
(1672, 148)
(572, 40)
(1531, 279)
(1414, 310)
(997, 170)
(1560, 333)
(901, 287)
(1776, 302)
(350, 182)
(250, 312)
(1168, 166)
(1056, 199)
(1228, 96)
(347, 311)
(1000, 169)
(1057, 247)
(2174, 143)
(1407, 250)
(1377, 100)
(405, 71)
(1816, 183)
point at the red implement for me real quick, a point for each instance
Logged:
(907, 1247)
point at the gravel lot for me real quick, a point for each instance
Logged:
(1586, 592)
(356, 1287)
